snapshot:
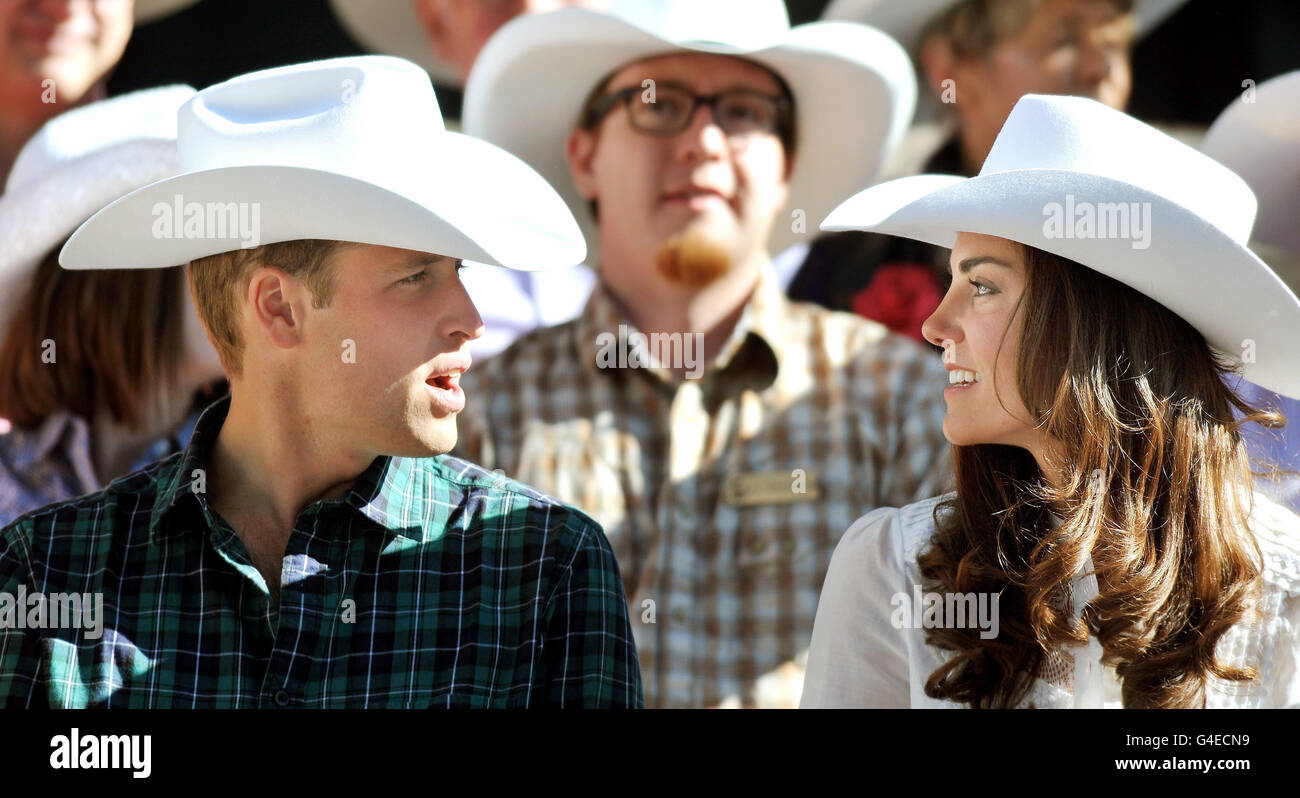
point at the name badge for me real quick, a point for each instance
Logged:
(771, 487)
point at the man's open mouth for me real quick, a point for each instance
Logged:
(447, 382)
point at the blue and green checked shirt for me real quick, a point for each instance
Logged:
(430, 583)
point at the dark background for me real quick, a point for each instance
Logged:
(1187, 70)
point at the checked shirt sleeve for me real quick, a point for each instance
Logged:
(589, 652)
(20, 660)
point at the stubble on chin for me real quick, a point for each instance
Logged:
(692, 259)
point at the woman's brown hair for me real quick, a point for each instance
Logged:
(86, 340)
(1153, 471)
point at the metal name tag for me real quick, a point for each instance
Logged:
(771, 487)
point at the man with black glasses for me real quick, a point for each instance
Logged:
(723, 436)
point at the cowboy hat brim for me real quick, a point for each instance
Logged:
(1189, 265)
(853, 87)
(466, 199)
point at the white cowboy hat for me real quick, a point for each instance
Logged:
(76, 164)
(1060, 158)
(906, 20)
(853, 87)
(348, 149)
(391, 27)
(1258, 137)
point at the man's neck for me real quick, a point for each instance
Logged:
(267, 465)
(712, 310)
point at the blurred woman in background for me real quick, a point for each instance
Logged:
(100, 371)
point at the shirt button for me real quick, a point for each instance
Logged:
(757, 544)
(281, 698)
(789, 547)
(679, 614)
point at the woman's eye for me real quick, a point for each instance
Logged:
(981, 289)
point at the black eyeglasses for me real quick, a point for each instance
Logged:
(667, 109)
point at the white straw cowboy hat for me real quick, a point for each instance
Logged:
(1258, 137)
(853, 87)
(391, 27)
(348, 149)
(906, 20)
(1059, 157)
(77, 163)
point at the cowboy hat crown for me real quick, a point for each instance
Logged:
(349, 149)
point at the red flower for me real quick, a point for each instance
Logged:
(900, 296)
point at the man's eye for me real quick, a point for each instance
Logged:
(414, 278)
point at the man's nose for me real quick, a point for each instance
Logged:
(703, 136)
(462, 319)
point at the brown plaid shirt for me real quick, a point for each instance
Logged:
(722, 496)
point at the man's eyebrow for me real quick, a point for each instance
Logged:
(970, 263)
(416, 261)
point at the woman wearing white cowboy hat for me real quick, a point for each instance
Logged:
(1258, 137)
(1100, 549)
(97, 371)
(976, 58)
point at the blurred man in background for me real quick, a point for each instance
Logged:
(725, 465)
(978, 57)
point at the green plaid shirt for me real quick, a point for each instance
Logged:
(431, 582)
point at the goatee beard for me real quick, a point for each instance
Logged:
(692, 259)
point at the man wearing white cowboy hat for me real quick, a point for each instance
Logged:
(1081, 213)
(978, 57)
(720, 433)
(1258, 137)
(94, 389)
(56, 54)
(310, 546)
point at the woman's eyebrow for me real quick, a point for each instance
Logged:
(970, 263)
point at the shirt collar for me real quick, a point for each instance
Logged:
(392, 491)
(756, 342)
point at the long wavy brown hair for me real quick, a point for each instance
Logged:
(1154, 487)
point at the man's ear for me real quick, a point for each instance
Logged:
(270, 303)
(580, 151)
(938, 62)
(430, 16)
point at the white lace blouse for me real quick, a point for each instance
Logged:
(860, 658)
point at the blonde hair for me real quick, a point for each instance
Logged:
(219, 281)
